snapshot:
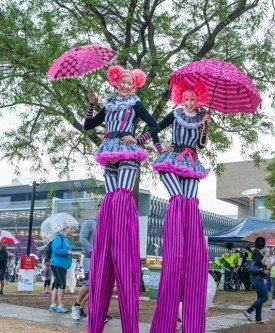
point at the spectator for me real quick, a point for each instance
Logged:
(61, 260)
(11, 269)
(3, 265)
(86, 240)
(257, 279)
(231, 262)
(271, 267)
(244, 275)
(46, 272)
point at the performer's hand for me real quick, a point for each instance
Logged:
(168, 149)
(206, 118)
(92, 97)
(128, 139)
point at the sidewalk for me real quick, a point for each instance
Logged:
(46, 317)
(213, 324)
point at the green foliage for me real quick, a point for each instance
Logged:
(157, 36)
(50, 194)
(270, 199)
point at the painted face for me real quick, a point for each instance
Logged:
(190, 104)
(126, 86)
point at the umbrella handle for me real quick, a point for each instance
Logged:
(203, 128)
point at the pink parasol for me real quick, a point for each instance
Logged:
(81, 60)
(230, 90)
(8, 238)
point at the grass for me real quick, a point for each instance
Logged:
(240, 297)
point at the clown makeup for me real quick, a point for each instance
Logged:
(126, 86)
(189, 101)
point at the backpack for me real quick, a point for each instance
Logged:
(48, 249)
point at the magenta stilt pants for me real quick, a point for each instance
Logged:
(184, 269)
(115, 257)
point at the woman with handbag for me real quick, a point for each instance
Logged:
(257, 279)
(115, 254)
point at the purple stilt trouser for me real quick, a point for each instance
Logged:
(184, 269)
(115, 258)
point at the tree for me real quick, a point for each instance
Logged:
(270, 198)
(156, 35)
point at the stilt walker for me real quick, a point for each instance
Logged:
(115, 254)
(184, 245)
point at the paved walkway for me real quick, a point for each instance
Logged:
(214, 324)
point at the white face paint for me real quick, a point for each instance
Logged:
(190, 104)
(126, 86)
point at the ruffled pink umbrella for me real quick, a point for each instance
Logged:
(81, 60)
(230, 90)
(8, 238)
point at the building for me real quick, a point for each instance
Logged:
(212, 223)
(80, 198)
(241, 176)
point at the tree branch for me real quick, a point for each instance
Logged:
(208, 45)
(128, 31)
(111, 38)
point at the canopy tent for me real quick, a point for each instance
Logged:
(233, 236)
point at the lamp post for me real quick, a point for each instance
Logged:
(34, 185)
(251, 194)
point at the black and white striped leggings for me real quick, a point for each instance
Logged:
(121, 174)
(179, 185)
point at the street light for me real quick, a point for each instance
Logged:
(251, 194)
(34, 185)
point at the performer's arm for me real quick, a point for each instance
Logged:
(92, 121)
(141, 112)
(167, 121)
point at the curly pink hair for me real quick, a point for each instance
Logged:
(198, 91)
(115, 73)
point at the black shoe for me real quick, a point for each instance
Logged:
(1, 292)
(82, 314)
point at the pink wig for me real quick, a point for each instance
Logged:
(185, 89)
(115, 74)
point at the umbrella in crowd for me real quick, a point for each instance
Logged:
(35, 256)
(270, 242)
(266, 233)
(8, 238)
(230, 90)
(55, 223)
(81, 60)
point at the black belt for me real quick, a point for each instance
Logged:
(180, 148)
(118, 134)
